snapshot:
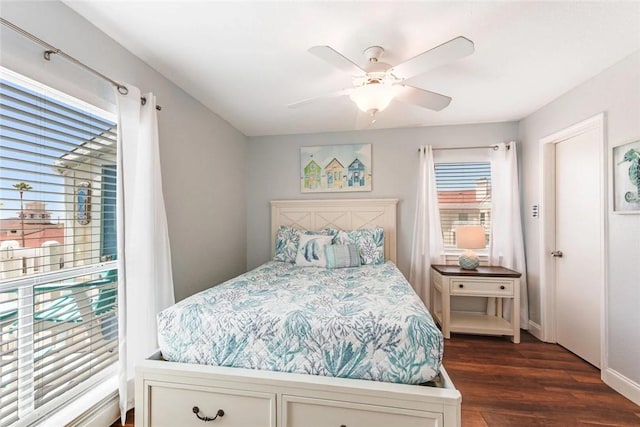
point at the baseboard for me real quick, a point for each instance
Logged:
(105, 413)
(535, 330)
(623, 385)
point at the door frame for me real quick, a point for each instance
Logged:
(548, 227)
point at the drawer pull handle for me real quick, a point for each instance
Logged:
(502, 287)
(461, 286)
(196, 411)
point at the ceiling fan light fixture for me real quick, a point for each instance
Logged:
(375, 85)
(374, 96)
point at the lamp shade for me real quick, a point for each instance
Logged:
(470, 237)
(374, 96)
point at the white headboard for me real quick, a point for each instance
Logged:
(341, 214)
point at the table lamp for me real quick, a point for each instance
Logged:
(470, 237)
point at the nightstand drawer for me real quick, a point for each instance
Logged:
(472, 287)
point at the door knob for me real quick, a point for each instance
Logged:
(556, 254)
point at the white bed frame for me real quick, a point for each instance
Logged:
(172, 394)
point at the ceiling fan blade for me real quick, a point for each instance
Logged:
(423, 98)
(447, 52)
(304, 102)
(336, 59)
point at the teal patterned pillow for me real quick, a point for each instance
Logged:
(370, 243)
(286, 244)
(341, 256)
(287, 239)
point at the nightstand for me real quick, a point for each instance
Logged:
(449, 281)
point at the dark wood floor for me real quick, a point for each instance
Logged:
(527, 384)
(531, 384)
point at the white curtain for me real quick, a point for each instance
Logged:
(428, 246)
(145, 284)
(506, 244)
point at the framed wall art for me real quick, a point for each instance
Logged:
(626, 177)
(335, 168)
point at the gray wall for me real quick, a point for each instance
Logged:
(616, 92)
(273, 172)
(202, 155)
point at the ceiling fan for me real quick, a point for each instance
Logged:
(377, 84)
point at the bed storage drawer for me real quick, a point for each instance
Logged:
(173, 405)
(311, 412)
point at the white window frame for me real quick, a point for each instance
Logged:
(463, 156)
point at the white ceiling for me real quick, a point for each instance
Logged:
(247, 60)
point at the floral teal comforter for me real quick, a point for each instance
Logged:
(364, 322)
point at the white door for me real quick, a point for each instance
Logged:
(578, 278)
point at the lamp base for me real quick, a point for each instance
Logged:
(468, 262)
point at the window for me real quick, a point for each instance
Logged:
(58, 297)
(464, 197)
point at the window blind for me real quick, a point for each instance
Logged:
(58, 282)
(464, 197)
(53, 160)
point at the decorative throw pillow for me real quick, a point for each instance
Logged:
(287, 239)
(311, 250)
(286, 243)
(370, 243)
(340, 256)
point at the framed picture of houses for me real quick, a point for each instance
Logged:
(335, 168)
(626, 177)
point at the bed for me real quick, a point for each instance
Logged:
(287, 371)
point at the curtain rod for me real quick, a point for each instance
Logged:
(54, 50)
(493, 147)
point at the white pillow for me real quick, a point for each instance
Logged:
(311, 250)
